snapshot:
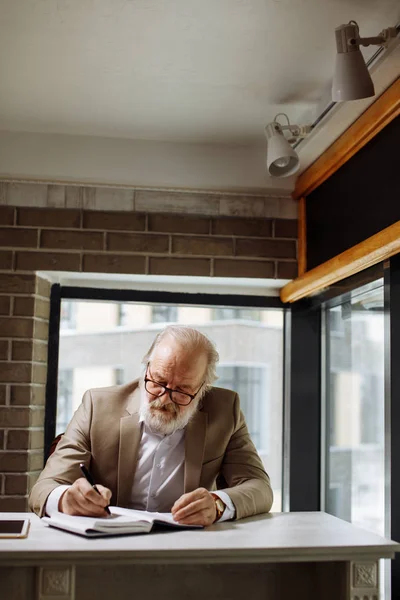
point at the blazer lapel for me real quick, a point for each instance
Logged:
(130, 435)
(195, 438)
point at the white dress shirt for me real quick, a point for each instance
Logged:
(159, 475)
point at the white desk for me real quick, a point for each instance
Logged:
(281, 555)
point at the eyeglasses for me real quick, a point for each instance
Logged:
(156, 389)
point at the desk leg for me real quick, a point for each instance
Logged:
(363, 578)
(56, 583)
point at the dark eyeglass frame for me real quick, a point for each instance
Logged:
(167, 389)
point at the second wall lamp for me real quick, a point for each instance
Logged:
(282, 159)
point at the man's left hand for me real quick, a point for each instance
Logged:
(195, 508)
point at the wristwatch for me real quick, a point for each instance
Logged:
(219, 505)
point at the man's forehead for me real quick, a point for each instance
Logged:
(171, 355)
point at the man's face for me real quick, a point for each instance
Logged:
(178, 368)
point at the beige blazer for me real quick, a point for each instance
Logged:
(105, 433)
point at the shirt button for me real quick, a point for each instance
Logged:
(153, 495)
(158, 466)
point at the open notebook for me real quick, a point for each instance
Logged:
(121, 521)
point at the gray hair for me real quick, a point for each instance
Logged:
(194, 339)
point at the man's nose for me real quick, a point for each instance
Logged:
(165, 398)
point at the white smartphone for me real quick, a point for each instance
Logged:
(14, 528)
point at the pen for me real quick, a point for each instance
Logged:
(89, 478)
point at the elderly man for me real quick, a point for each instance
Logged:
(163, 443)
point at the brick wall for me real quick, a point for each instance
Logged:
(60, 228)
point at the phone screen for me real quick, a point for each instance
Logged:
(11, 527)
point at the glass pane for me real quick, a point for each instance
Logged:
(355, 409)
(103, 344)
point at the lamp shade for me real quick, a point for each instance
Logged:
(282, 160)
(351, 80)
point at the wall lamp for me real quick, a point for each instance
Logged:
(282, 159)
(351, 80)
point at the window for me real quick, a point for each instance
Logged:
(221, 313)
(355, 403)
(251, 385)
(164, 313)
(64, 399)
(110, 338)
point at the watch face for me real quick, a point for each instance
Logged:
(220, 504)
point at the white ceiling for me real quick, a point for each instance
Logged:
(187, 71)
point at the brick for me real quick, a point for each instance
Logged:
(113, 263)
(40, 352)
(103, 198)
(23, 395)
(288, 208)
(2, 436)
(7, 214)
(202, 246)
(244, 268)
(13, 461)
(71, 240)
(242, 227)
(28, 306)
(18, 238)
(178, 224)
(32, 261)
(41, 330)
(42, 308)
(16, 484)
(56, 196)
(73, 196)
(132, 242)
(24, 306)
(27, 194)
(176, 202)
(49, 217)
(266, 248)
(242, 206)
(286, 228)
(36, 438)
(5, 305)
(39, 373)
(22, 350)
(3, 394)
(15, 372)
(6, 259)
(14, 504)
(32, 478)
(18, 439)
(43, 287)
(122, 221)
(179, 266)
(35, 461)
(37, 417)
(17, 284)
(287, 270)
(4, 345)
(14, 417)
(16, 327)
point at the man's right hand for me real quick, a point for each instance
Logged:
(82, 499)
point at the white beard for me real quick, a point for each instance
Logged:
(168, 419)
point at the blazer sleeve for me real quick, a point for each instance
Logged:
(242, 470)
(62, 467)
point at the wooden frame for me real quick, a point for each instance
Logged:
(373, 250)
(375, 118)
